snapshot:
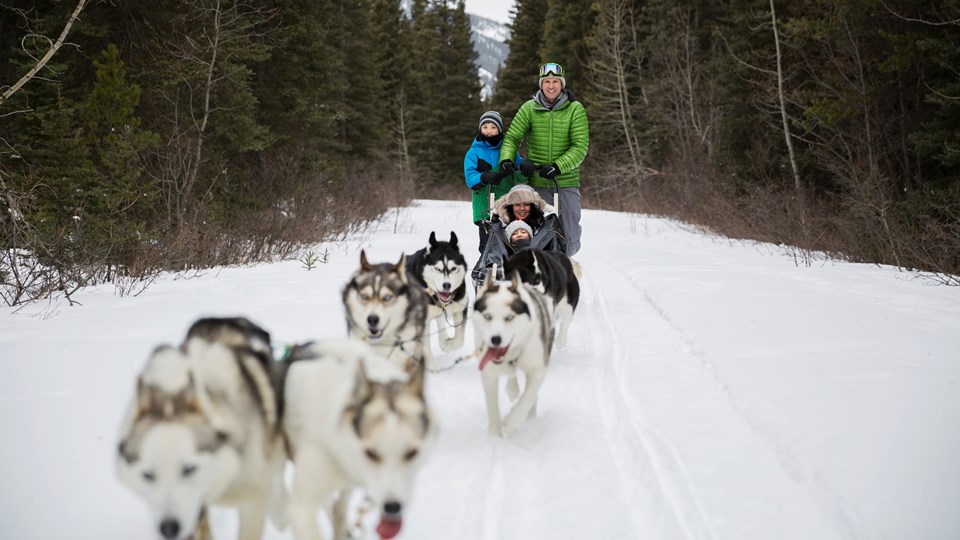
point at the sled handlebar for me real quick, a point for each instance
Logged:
(539, 170)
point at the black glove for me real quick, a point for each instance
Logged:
(549, 171)
(483, 166)
(507, 167)
(527, 168)
(490, 178)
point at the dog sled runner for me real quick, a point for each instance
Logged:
(547, 237)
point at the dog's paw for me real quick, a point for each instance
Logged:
(513, 422)
(495, 430)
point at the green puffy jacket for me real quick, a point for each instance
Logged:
(559, 136)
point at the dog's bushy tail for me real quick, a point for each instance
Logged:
(577, 270)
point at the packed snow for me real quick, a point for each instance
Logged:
(711, 389)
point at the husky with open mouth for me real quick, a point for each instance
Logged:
(514, 331)
(203, 429)
(353, 420)
(441, 271)
(387, 311)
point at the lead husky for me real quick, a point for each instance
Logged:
(514, 326)
(386, 312)
(203, 429)
(551, 273)
(352, 420)
(441, 271)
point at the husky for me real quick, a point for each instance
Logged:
(441, 271)
(204, 429)
(352, 420)
(554, 274)
(514, 326)
(383, 309)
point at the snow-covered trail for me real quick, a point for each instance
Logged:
(709, 390)
(679, 434)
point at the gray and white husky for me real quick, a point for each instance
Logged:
(353, 420)
(203, 429)
(384, 309)
(514, 330)
(441, 271)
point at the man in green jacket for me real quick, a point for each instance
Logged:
(555, 126)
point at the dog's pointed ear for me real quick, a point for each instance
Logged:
(433, 239)
(364, 264)
(189, 402)
(487, 281)
(401, 267)
(453, 239)
(145, 398)
(514, 282)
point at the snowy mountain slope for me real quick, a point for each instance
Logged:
(489, 38)
(711, 389)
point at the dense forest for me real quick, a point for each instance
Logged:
(140, 137)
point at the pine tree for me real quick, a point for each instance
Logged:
(355, 100)
(564, 37)
(127, 197)
(445, 104)
(517, 79)
(391, 32)
(295, 83)
(461, 96)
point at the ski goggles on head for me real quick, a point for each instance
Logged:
(551, 70)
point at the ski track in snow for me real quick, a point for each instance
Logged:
(638, 433)
(637, 342)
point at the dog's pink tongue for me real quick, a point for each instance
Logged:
(492, 353)
(388, 528)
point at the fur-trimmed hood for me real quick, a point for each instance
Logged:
(521, 193)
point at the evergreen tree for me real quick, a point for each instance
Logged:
(445, 104)
(127, 196)
(517, 79)
(357, 91)
(391, 34)
(294, 84)
(565, 37)
(461, 106)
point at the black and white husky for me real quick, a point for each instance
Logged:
(553, 274)
(441, 272)
(384, 309)
(203, 429)
(353, 420)
(514, 330)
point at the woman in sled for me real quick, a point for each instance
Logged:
(521, 203)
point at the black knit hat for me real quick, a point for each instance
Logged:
(494, 117)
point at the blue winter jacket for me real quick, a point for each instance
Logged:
(491, 154)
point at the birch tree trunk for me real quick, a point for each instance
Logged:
(46, 58)
(787, 136)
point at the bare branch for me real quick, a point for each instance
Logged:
(46, 58)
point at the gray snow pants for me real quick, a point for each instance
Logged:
(569, 214)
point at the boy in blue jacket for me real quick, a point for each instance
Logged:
(478, 169)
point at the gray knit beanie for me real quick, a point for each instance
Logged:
(491, 116)
(518, 224)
